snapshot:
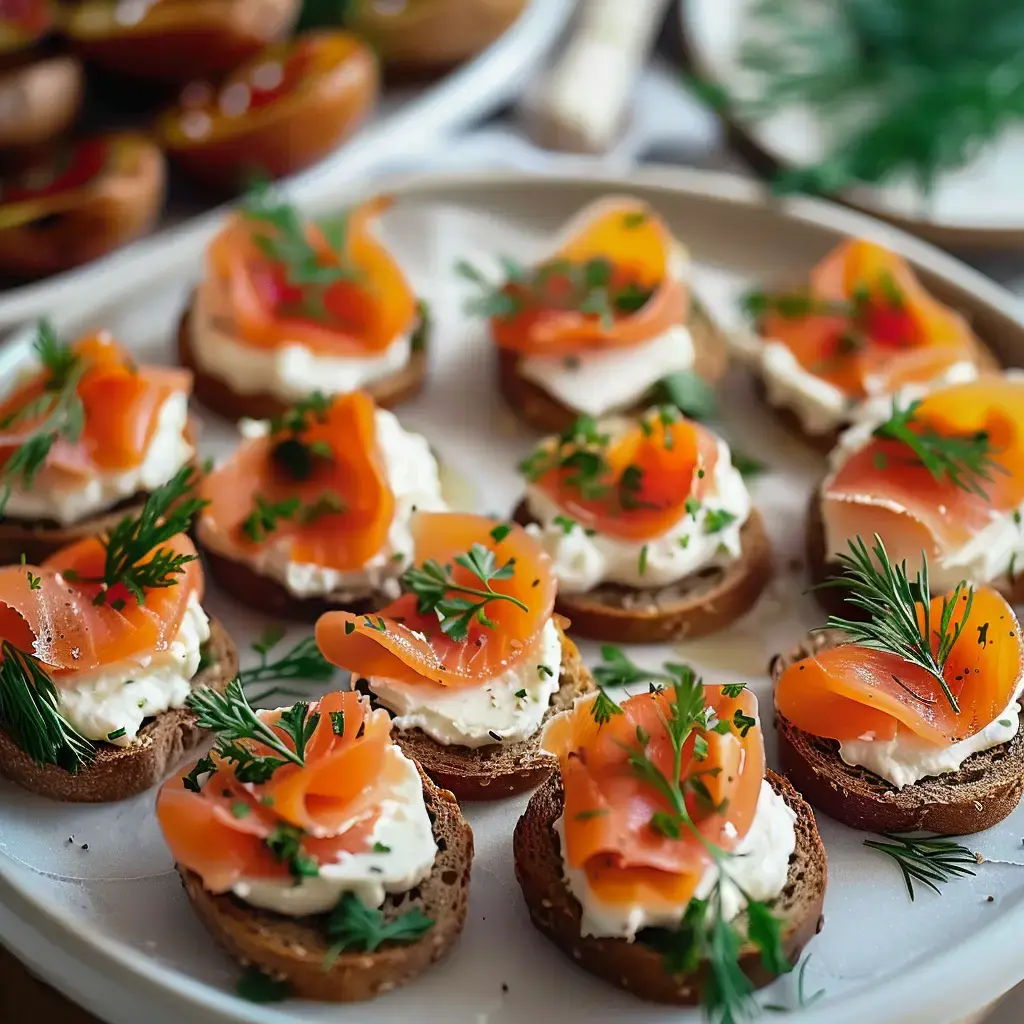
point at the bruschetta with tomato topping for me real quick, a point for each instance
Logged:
(649, 527)
(100, 646)
(605, 324)
(313, 511)
(470, 660)
(313, 848)
(662, 855)
(85, 436)
(907, 717)
(289, 306)
(862, 327)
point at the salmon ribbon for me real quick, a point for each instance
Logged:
(910, 507)
(609, 808)
(327, 479)
(635, 485)
(853, 692)
(405, 643)
(867, 325)
(121, 403)
(617, 250)
(364, 310)
(50, 611)
(334, 798)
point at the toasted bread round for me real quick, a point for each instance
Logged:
(294, 948)
(122, 772)
(542, 410)
(220, 398)
(502, 769)
(833, 599)
(635, 966)
(985, 790)
(694, 607)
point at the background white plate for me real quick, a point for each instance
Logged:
(407, 122)
(110, 925)
(979, 204)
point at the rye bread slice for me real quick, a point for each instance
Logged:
(833, 599)
(122, 772)
(985, 790)
(219, 397)
(294, 948)
(500, 769)
(542, 410)
(694, 607)
(636, 966)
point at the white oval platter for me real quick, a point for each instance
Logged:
(409, 121)
(110, 926)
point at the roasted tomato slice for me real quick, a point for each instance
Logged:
(279, 112)
(175, 40)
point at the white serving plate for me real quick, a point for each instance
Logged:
(980, 204)
(110, 925)
(408, 121)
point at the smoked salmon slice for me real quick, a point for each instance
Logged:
(912, 508)
(220, 832)
(866, 324)
(326, 478)
(121, 403)
(853, 692)
(50, 610)
(362, 311)
(612, 284)
(636, 484)
(405, 640)
(611, 811)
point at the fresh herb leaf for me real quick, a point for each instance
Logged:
(746, 465)
(354, 926)
(265, 516)
(303, 661)
(929, 860)
(257, 987)
(717, 519)
(285, 846)
(690, 394)
(604, 708)
(203, 766)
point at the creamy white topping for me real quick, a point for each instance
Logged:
(119, 696)
(412, 474)
(612, 380)
(582, 560)
(506, 709)
(69, 499)
(908, 758)
(289, 371)
(404, 856)
(760, 866)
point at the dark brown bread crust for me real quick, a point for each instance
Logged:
(545, 412)
(634, 966)
(122, 772)
(221, 399)
(267, 595)
(832, 599)
(702, 604)
(501, 770)
(985, 790)
(295, 949)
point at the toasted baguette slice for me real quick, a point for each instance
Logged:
(122, 772)
(499, 770)
(694, 607)
(985, 790)
(220, 398)
(542, 410)
(833, 599)
(294, 948)
(634, 966)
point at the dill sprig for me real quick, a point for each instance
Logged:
(964, 459)
(167, 512)
(931, 860)
(57, 413)
(891, 601)
(437, 590)
(230, 716)
(303, 661)
(29, 712)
